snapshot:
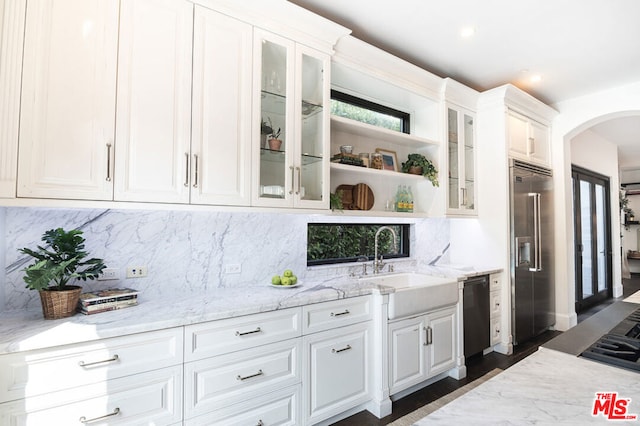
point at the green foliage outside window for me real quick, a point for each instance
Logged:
(336, 243)
(365, 115)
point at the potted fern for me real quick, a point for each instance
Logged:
(418, 164)
(60, 260)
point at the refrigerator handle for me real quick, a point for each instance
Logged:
(537, 253)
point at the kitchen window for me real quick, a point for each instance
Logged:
(358, 109)
(330, 243)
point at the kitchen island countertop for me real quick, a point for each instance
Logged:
(27, 330)
(546, 388)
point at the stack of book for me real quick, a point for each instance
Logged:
(107, 300)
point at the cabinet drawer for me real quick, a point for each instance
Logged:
(280, 408)
(338, 371)
(234, 334)
(152, 398)
(494, 304)
(495, 283)
(32, 373)
(495, 331)
(216, 382)
(338, 313)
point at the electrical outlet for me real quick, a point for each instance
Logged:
(232, 268)
(109, 274)
(136, 271)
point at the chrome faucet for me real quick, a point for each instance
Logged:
(377, 262)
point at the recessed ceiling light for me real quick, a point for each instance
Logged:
(467, 32)
(536, 78)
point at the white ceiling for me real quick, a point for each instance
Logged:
(577, 47)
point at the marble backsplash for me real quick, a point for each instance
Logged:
(186, 251)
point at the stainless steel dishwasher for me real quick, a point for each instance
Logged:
(477, 336)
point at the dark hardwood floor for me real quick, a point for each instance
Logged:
(477, 366)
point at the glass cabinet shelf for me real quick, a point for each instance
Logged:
(273, 156)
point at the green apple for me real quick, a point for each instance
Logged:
(275, 280)
(288, 273)
(293, 279)
(285, 281)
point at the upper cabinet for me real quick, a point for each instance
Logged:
(222, 96)
(153, 113)
(11, 44)
(529, 139)
(461, 176)
(290, 141)
(66, 139)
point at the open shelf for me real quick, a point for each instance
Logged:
(373, 172)
(367, 130)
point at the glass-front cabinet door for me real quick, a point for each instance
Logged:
(312, 163)
(461, 190)
(291, 153)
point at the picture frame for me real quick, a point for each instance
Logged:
(389, 159)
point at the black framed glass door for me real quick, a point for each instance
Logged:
(592, 218)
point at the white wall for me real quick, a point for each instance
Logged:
(594, 153)
(577, 115)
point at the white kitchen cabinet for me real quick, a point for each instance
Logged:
(214, 383)
(66, 139)
(221, 141)
(31, 373)
(153, 114)
(495, 308)
(11, 48)
(233, 362)
(421, 347)
(461, 188)
(338, 371)
(152, 398)
(441, 341)
(280, 408)
(291, 89)
(407, 353)
(529, 139)
(129, 379)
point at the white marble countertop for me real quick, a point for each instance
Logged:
(546, 388)
(20, 331)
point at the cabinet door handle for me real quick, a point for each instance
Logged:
(186, 169)
(108, 179)
(104, 361)
(299, 180)
(428, 336)
(337, 314)
(532, 146)
(335, 351)
(463, 198)
(244, 333)
(293, 171)
(259, 373)
(195, 167)
(115, 412)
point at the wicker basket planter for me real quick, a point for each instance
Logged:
(58, 304)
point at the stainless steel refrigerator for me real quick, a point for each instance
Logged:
(532, 276)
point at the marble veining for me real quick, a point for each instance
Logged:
(546, 388)
(186, 251)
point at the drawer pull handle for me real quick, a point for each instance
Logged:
(335, 351)
(259, 373)
(244, 333)
(115, 412)
(89, 364)
(346, 312)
